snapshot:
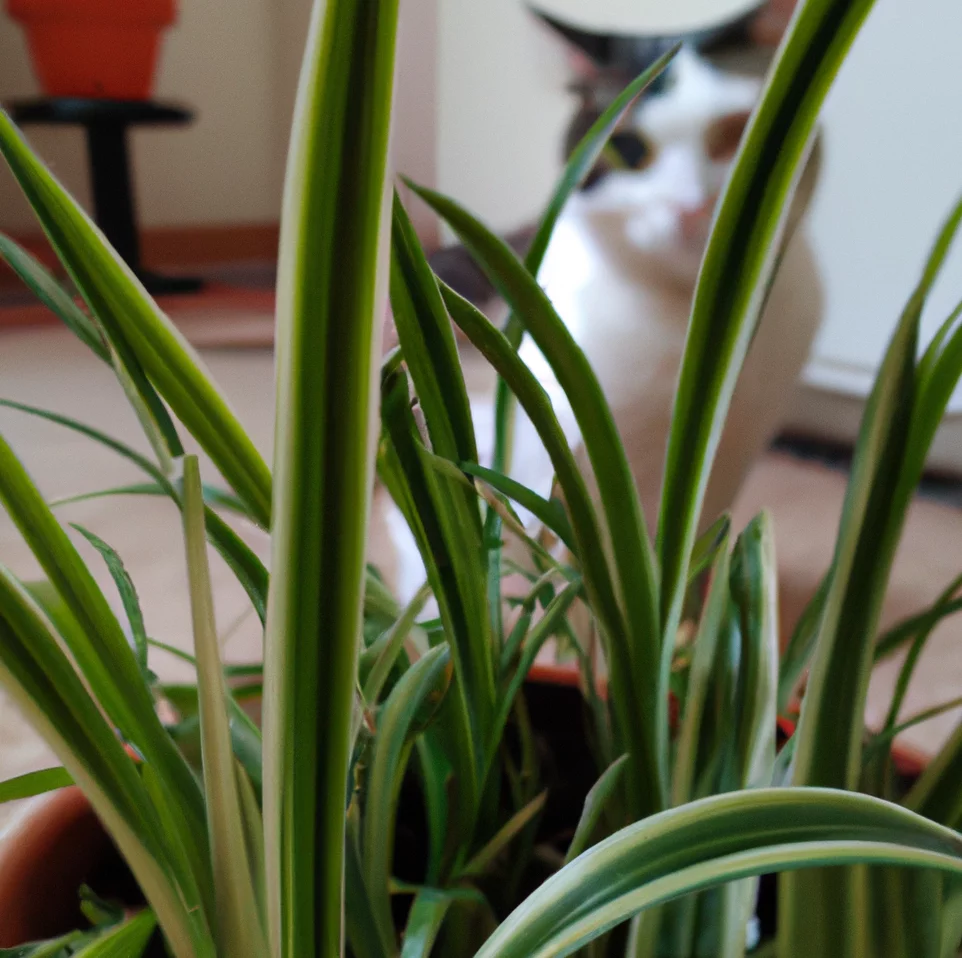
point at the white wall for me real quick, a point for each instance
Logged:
(482, 108)
(223, 168)
(893, 170)
(893, 128)
(502, 109)
(236, 62)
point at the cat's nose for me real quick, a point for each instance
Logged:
(696, 220)
(683, 175)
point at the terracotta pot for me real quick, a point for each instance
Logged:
(45, 855)
(94, 48)
(58, 843)
(907, 760)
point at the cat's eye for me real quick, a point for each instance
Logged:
(632, 149)
(724, 135)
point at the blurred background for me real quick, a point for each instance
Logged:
(481, 115)
(482, 106)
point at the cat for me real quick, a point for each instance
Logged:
(623, 261)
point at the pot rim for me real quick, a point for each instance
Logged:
(908, 760)
(114, 13)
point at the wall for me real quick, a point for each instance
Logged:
(236, 62)
(501, 111)
(894, 138)
(216, 60)
(485, 84)
(893, 133)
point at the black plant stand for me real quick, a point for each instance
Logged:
(106, 123)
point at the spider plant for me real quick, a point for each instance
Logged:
(280, 843)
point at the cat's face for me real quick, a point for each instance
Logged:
(656, 187)
(668, 161)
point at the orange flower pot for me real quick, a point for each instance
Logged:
(45, 855)
(105, 49)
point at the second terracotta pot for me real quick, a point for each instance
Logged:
(94, 48)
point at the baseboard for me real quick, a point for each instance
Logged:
(203, 245)
(184, 247)
(830, 403)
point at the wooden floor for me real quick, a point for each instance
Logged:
(44, 365)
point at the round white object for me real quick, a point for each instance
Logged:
(644, 17)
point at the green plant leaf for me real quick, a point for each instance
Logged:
(239, 928)
(137, 329)
(428, 344)
(98, 911)
(55, 609)
(34, 783)
(579, 165)
(42, 682)
(128, 940)
(801, 645)
(424, 923)
(253, 828)
(396, 723)
(150, 411)
(99, 644)
(510, 522)
(126, 589)
(890, 732)
(450, 547)
(42, 283)
(148, 407)
(936, 794)
(378, 660)
(213, 496)
(709, 842)
(754, 591)
(888, 463)
(52, 948)
(590, 550)
(547, 625)
(616, 486)
(909, 629)
(250, 571)
(505, 835)
(737, 270)
(361, 928)
(926, 626)
(885, 471)
(938, 370)
(695, 772)
(122, 449)
(189, 863)
(548, 511)
(594, 808)
(903, 913)
(829, 747)
(708, 544)
(540, 592)
(700, 675)
(333, 278)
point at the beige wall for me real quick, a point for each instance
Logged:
(502, 109)
(216, 59)
(236, 62)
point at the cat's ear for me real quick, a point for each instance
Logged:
(768, 26)
(588, 53)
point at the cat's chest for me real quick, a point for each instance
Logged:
(631, 329)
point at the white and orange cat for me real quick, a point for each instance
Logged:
(623, 262)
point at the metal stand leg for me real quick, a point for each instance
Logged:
(114, 207)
